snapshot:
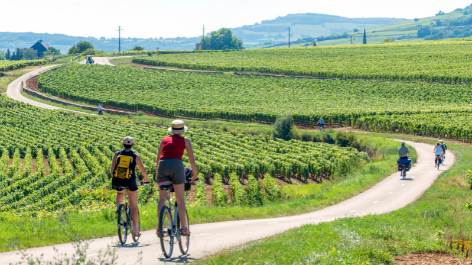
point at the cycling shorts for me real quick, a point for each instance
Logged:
(116, 183)
(171, 170)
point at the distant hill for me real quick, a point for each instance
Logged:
(456, 24)
(13, 40)
(303, 26)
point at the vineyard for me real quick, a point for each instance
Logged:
(250, 98)
(52, 160)
(6, 65)
(446, 61)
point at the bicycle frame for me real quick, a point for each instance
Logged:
(174, 211)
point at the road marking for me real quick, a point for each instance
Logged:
(94, 254)
(272, 223)
(376, 201)
(353, 211)
(403, 185)
(203, 234)
(391, 192)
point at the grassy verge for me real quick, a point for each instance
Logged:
(12, 75)
(48, 230)
(427, 225)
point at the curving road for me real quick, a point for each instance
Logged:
(388, 195)
(105, 60)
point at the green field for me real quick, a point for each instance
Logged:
(6, 65)
(445, 61)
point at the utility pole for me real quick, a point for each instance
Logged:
(119, 38)
(203, 38)
(289, 36)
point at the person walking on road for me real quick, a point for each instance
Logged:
(403, 151)
(123, 170)
(170, 169)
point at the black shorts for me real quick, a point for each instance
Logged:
(116, 183)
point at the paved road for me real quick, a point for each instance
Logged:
(14, 89)
(389, 195)
(105, 60)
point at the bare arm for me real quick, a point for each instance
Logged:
(158, 157)
(191, 158)
(113, 164)
(141, 168)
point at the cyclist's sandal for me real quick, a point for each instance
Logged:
(184, 231)
(157, 233)
(138, 234)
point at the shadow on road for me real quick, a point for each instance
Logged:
(132, 245)
(407, 179)
(181, 259)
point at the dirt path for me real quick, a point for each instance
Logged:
(388, 195)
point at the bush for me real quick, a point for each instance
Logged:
(283, 127)
(328, 138)
(344, 139)
(307, 137)
(272, 189)
(254, 195)
(237, 191)
(200, 191)
(219, 197)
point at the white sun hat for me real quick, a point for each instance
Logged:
(178, 127)
(128, 140)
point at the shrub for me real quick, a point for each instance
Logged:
(254, 195)
(200, 191)
(283, 127)
(328, 138)
(219, 197)
(344, 139)
(272, 189)
(237, 191)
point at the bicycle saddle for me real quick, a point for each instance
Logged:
(166, 187)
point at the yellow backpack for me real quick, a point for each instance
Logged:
(122, 170)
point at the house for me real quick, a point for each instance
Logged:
(39, 46)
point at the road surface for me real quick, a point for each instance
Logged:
(388, 195)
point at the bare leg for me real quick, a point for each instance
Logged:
(180, 197)
(162, 197)
(133, 205)
(119, 198)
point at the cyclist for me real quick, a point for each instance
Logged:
(170, 169)
(321, 123)
(403, 151)
(124, 175)
(100, 110)
(438, 151)
(443, 147)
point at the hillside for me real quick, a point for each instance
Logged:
(304, 26)
(456, 24)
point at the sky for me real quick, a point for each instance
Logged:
(185, 18)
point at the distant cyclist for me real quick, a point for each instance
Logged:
(321, 123)
(403, 151)
(170, 169)
(438, 151)
(100, 112)
(443, 147)
(123, 170)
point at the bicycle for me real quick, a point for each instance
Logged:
(321, 127)
(124, 221)
(438, 161)
(170, 224)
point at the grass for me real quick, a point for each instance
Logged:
(33, 232)
(12, 75)
(427, 225)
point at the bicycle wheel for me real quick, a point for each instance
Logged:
(165, 232)
(404, 172)
(122, 224)
(135, 238)
(184, 241)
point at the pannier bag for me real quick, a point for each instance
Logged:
(123, 170)
(406, 162)
(188, 177)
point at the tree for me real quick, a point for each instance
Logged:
(423, 32)
(29, 54)
(90, 51)
(417, 19)
(283, 127)
(440, 13)
(137, 48)
(438, 23)
(356, 30)
(8, 55)
(80, 47)
(364, 41)
(2, 56)
(222, 39)
(52, 51)
(13, 56)
(388, 40)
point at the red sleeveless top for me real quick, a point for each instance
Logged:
(173, 147)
